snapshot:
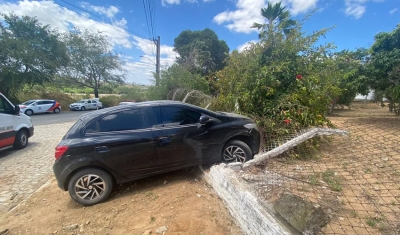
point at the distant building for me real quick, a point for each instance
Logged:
(369, 97)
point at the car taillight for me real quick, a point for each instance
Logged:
(60, 150)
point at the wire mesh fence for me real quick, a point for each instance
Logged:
(355, 179)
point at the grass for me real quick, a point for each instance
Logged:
(332, 180)
(375, 222)
(152, 219)
(353, 213)
(314, 179)
(367, 170)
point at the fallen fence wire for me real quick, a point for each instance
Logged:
(356, 179)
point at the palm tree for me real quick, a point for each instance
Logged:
(277, 17)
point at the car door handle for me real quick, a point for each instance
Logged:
(102, 149)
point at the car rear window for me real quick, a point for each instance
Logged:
(121, 121)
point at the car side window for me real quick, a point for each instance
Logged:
(39, 102)
(178, 115)
(89, 101)
(121, 121)
(94, 101)
(5, 107)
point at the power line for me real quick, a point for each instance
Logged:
(99, 17)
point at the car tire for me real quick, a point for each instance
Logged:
(57, 110)
(21, 140)
(98, 185)
(236, 151)
(83, 108)
(29, 112)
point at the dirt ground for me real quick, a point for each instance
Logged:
(182, 201)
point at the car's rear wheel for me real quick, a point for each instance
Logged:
(21, 140)
(29, 112)
(236, 151)
(83, 108)
(56, 110)
(90, 186)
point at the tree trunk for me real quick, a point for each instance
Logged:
(333, 103)
(96, 92)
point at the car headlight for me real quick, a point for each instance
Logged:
(251, 126)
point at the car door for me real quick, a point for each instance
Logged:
(7, 134)
(123, 141)
(88, 104)
(47, 104)
(40, 107)
(94, 104)
(175, 131)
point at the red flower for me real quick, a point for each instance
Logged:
(299, 77)
(286, 121)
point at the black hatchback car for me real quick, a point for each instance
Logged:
(128, 142)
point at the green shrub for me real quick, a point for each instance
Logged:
(110, 100)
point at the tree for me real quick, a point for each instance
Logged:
(92, 62)
(201, 51)
(177, 77)
(385, 66)
(30, 53)
(277, 17)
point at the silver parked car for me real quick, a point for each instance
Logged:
(86, 104)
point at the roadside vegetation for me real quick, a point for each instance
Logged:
(286, 81)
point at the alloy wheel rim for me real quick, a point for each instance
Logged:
(90, 187)
(234, 154)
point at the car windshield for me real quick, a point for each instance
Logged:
(81, 101)
(29, 102)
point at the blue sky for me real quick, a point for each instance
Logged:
(124, 23)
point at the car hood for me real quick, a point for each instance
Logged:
(234, 115)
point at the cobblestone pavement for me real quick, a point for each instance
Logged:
(22, 172)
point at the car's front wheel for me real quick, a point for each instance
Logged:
(90, 186)
(83, 108)
(29, 112)
(236, 151)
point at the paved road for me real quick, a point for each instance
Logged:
(51, 118)
(24, 171)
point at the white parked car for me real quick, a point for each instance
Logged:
(15, 127)
(40, 106)
(86, 104)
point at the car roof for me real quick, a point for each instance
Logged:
(40, 100)
(138, 104)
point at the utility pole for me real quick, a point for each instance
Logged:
(158, 73)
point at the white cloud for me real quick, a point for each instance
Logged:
(249, 11)
(47, 12)
(164, 2)
(393, 10)
(110, 12)
(63, 19)
(245, 45)
(357, 8)
(171, 2)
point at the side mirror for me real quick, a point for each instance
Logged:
(204, 119)
(16, 110)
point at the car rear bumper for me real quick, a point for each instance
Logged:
(62, 173)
